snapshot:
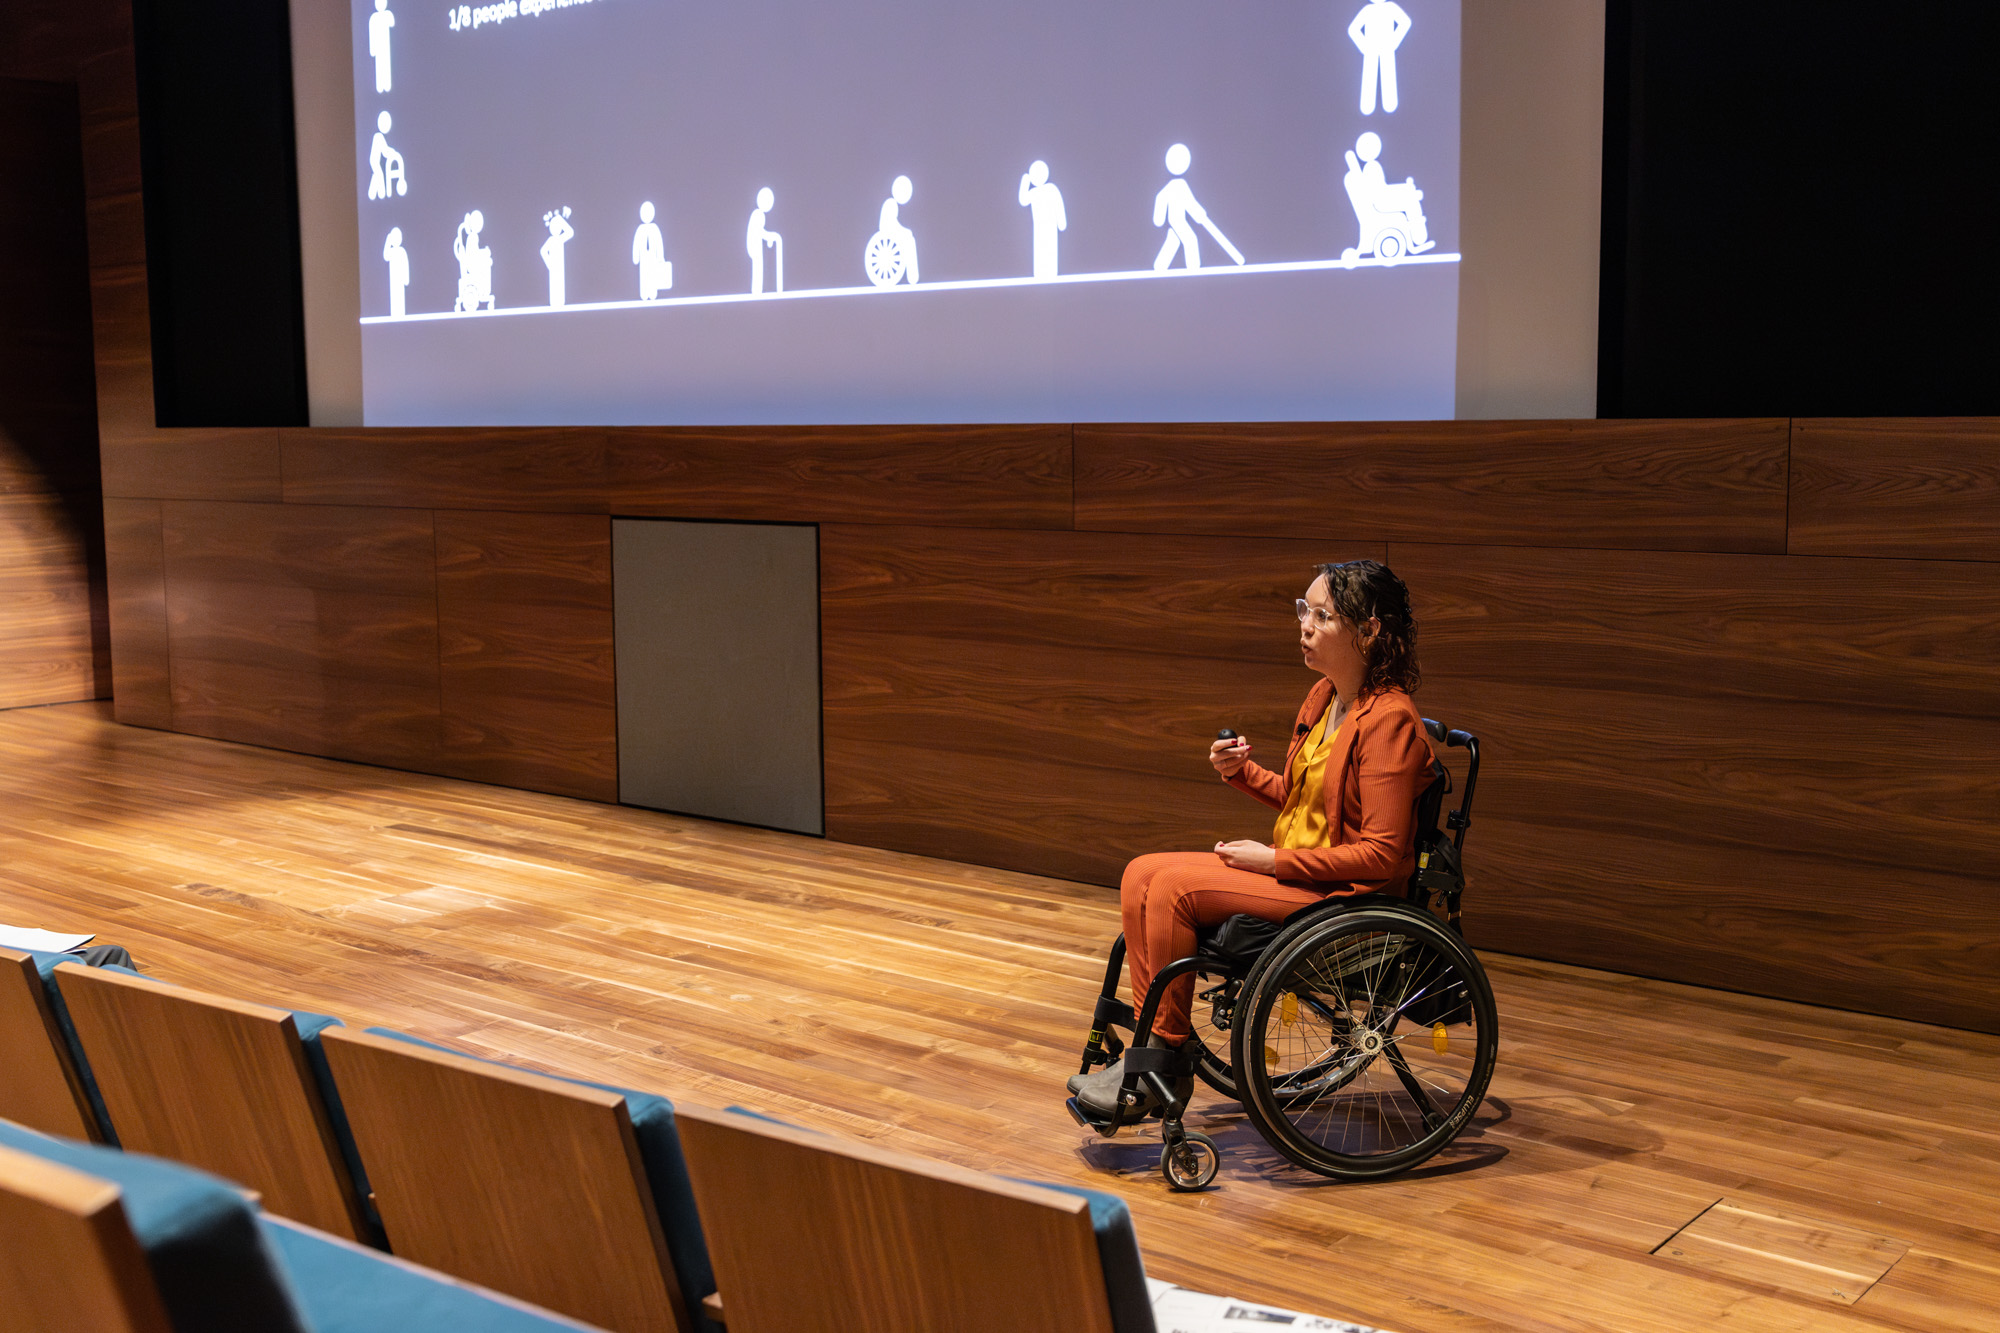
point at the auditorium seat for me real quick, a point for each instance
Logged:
(234, 1088)
(99, 1239)
(571, 1195)
(48, 1085)
(814, 1234)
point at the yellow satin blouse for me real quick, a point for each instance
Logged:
(1302, 821)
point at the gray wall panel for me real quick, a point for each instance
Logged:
(718, 670)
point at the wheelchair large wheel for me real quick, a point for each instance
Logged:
(883, 260)
(1364, 1041)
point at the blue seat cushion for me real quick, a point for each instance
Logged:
(45, 967)
(1118, 1250)
(310, 1025)
(666, 1174)
(215, 1271)
(347, 1289)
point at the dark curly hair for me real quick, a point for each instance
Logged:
(1365, 589)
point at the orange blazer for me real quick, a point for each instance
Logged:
(1380, 763)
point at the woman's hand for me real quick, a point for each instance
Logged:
(1246, 855)
(1229, 756)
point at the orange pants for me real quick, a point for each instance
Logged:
(1164, 896)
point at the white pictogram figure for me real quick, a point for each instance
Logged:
(475, 264)
(649, 252)
(385, 164)
(399, 270)
(557, 221)
(757, 236)
(379, 24)
(1044, 203)
(1378, 30)
(1391, 215)
(891, 253)
(1174, 205)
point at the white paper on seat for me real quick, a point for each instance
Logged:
(1178, 1310)
(43, 941)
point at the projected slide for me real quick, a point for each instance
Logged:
(767, 211)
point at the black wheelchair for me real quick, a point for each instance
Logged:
(1359, 1034)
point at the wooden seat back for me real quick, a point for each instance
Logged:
(811, 1234)
(69, 1259)
(42, 1088)
(529, 1185)
(216, 1083)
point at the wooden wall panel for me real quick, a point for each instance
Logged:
(1044, 701)
(46, 39)
(524, 624)
(141, 692)
(107, 88)
(1924, 487)
(1660, 485)
(975, 476)
(496, 469)
(305, 627)
(54, 639)
(219, 464)
(1775, 775)
(54, 645)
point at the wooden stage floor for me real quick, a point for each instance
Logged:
(1651, 1156)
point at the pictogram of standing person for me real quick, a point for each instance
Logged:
(399, 270)
(557, 221)
(1174, 205)
(1044, 203)
(1378, 30)
(759, 235)
(649, 252)
(379, 24)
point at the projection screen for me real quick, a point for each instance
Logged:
(766, 212)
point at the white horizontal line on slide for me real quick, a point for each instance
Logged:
(969, 284)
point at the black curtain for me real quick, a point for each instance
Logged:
(222, 211)
(1800, 209)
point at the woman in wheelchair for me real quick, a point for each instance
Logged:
(1346, 799)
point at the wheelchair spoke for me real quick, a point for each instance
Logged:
(1416, 1090)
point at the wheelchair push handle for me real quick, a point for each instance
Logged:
(1453, 737)
(1460, 819)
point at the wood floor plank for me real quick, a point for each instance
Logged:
(937, 1007)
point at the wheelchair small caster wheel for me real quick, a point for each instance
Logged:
(1191, 1163)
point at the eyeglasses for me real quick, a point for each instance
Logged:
(1318, 615)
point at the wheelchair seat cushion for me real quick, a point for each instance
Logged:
(1242, 939)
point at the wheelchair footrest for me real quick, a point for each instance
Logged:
(1107, 1126)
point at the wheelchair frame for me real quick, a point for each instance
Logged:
(1190, 1159)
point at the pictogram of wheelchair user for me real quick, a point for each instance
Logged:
(475, 264)
(1391, 216)
(891, 253)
